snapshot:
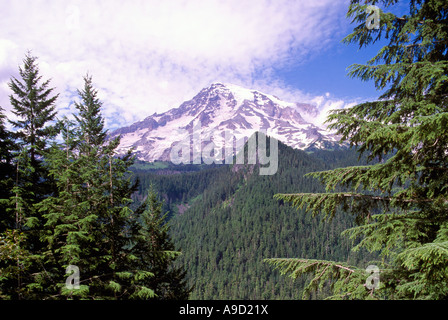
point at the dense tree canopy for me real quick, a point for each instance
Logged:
(226, 222)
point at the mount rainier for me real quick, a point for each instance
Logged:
(222, 108)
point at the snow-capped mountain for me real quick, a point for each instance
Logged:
(218, 109)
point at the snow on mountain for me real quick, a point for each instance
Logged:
(220, 110)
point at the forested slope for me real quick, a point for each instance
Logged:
(232, 223)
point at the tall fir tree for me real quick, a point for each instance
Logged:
(87, 219)
(34, 107)
(68, 223)
(156, 252)
(89, 224)
(400, 198)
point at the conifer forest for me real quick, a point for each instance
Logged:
(367, 220)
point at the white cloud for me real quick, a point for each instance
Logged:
(325, 104)
(149, 56)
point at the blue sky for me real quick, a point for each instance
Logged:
(328, 71)
(150, 56)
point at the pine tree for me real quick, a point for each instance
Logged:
(87, 220)
(90, 121)
(7, 147)
(86, 223)
(156, 252)
(34, 108)
(68, 223)
(400, 198)
(106, 191)
(12, 252)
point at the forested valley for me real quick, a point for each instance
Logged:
(225, 221)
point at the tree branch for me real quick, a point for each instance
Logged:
(358, 195)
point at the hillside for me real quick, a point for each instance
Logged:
(225, 221)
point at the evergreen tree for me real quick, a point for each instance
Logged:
(35, 109)
(89, 223)
(7, 147)
(88, 218)
(12, 253)
(90, 122)
(68, 232)
(400, 201)
(69, 206)
(156, 252)
(28, 182)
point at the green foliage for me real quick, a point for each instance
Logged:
(33, 106)
(339, 278)
(231, 224)
(26, 180)
(69, 204)
(14, 259)
(399, 199)
(157, 252)
(7, 147)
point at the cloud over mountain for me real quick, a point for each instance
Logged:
(148, 56)
(216, 123)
